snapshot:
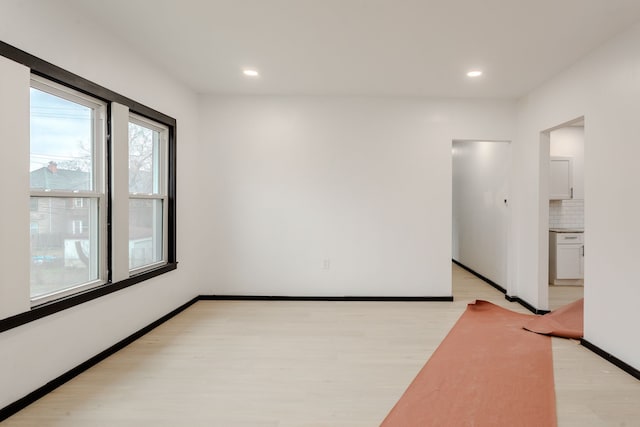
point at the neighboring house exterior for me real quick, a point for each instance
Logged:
(52, 177)
(59, 226)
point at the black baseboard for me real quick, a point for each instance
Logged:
(525, 305)
(316, 298)
(16, 406)
(480, 276)
(612, 359)
(501, 289)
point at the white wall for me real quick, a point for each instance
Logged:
(481, 173)
(35, 353)
(604, 88)
(362, 182)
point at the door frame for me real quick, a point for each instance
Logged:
(543, 210)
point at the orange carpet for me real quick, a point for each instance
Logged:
(566, 322)
(488, 371)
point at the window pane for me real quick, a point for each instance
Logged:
(145, 232)
(144, 144)
(61, 143)
(64, 244)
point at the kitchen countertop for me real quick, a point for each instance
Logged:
(567, 230)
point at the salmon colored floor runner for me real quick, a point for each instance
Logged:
(488, 371)
(566, 322)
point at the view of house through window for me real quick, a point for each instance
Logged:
(67, 191)
(147, 193)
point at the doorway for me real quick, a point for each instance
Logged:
(480, 208)
(562, 229)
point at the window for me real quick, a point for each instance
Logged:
(77, 227)
(147, 194)
(91, 231)
(68, 242)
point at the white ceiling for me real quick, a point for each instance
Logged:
(364, 47)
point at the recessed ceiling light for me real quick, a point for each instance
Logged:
(250, 73)
(474, 73)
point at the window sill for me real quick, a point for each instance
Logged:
(52, 307)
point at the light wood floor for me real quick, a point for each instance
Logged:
(560, 295)
(303, 364)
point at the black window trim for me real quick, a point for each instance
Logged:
(59, 75)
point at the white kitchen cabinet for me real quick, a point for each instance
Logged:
(561, 178)
(569, 262)
(566, 258)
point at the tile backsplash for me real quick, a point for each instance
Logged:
(566, 213)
